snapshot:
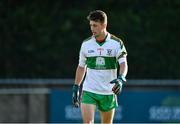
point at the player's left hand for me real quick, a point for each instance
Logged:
(118, 84)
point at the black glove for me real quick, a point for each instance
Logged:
(75, 95)
(118, 84)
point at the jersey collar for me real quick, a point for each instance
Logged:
(107, 39)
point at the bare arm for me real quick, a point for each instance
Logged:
(121, 78)
(123, 68)
(80, 71)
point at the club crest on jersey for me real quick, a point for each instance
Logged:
(100, 61)
(109, 52)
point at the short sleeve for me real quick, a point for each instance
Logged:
(82, 56)
(121, 51)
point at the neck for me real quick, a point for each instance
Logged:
(102, 36)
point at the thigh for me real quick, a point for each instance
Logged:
(88, 107)
(88, 112)
(107, 116)
(107, 103)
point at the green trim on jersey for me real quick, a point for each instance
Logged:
(123, 53)
(100, 43)
(117, 39)
(121, 45)
(101, 62)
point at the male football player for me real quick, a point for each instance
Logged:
(101, 55)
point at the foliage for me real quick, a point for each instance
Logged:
(41, 39)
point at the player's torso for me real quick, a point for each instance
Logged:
(101, 65)
(101, 56)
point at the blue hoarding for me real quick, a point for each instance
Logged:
(134, 106)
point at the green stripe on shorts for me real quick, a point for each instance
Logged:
(104, 102)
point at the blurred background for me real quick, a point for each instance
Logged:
(40, 42)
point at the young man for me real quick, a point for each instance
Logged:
(99, 58)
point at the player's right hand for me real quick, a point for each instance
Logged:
(75, 95)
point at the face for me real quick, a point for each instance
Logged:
(97, 28)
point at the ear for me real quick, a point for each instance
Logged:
(104, 25)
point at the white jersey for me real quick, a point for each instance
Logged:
(101, 61)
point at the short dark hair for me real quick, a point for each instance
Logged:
(97, 16)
